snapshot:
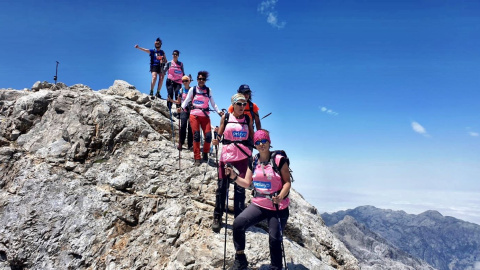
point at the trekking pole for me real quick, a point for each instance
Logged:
(179, 149)
(266, 116)
(226, 223)
(56, 73)
(171, 122)
(281, 237)
(216, 147)
(226, 213)
(201, 184)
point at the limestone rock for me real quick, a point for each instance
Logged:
(93, 182)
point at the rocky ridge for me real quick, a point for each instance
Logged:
(91, 180)
(372, 251)
(444, 242)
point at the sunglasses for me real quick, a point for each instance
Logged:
(201, 79)
(262, 141)
(241, 104)
(185, 81)
(175, 54)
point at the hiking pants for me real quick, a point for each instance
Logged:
(239, 192)
(172, 89)
(196, 122)
(184, 125)
(253, 215)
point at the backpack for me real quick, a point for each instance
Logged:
(272, 162)
(194, 94)
(248, 142)
(227, 115)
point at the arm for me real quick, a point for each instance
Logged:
(256, 117)
(188, 98)
(142, 49)
(257, 122)
(164, 58)
(221, 129)
(285, 172)
(166, 67)
(213, 103)
(250, 129)
(243, 182)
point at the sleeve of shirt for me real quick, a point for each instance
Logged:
(188, 98)
(255, 108)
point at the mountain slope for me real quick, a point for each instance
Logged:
(371, 250)
(443, 242)
(91, 180)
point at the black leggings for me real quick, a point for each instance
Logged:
(253, 215)
(184, 127)
(221, 193)
(172, 88)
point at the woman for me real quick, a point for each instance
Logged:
(237, 134)
(157, 63)
(200, 96)
(270, 201)
(184, 115)
(251, 109)
(174, 70)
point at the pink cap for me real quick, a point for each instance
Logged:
(260, 135)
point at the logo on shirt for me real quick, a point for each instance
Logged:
(239, 134)
(198, 102)
(262, 185)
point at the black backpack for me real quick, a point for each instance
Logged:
(227, 115)
(248, 142)
(276, 167)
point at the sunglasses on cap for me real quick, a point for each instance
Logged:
(201, 79)
(241, 104)
(262, 141)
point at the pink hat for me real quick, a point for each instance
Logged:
(260, 135)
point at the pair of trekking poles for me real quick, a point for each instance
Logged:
(226, 223)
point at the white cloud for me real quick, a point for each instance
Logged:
(328, 111)
(473, 134)
(267, 8)
(419, 129)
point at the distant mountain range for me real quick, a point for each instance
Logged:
(387, 239)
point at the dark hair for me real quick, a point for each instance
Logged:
(176, 51)
(158, 39)
(204, 73)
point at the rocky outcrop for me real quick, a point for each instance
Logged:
(445, 243)
(371, 250)
(92, 180)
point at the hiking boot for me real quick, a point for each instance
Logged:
(151, 93)
(197, 162)
(190, 147)
(205, 157)
(217, 224)
(240, 262)
(157, 95)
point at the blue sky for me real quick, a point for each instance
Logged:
(376, 102)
